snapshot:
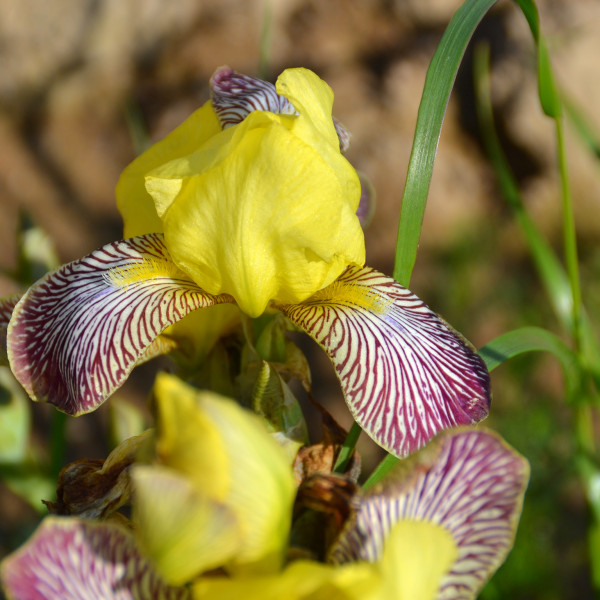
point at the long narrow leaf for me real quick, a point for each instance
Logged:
(550, 270)
(531, 339)
(436, 92)
(548, 92)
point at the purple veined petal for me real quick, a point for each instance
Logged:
(7, 305)
(234, 96)
(471, 483)
(77, 333)
(404, 373)
(72, 559)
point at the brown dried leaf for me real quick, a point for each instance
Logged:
(93, 488)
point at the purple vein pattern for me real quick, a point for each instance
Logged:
(471, 483)
(75, 336)
(405, 374)
(234, 96)
(71, 559)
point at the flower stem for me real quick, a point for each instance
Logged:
(347, 450)
(569, 235)
(57, 442)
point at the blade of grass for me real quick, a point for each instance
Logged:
(582, 124)
(347, 450)
(264, 51)
(551, 271)
(552, 106)
(532, 339)
(436, 93)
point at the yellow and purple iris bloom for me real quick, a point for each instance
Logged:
(212, 518)
(250, 202)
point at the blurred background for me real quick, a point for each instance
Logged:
(75, 75)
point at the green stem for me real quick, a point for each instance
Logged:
(347, 450)
(58, 442)
(569, 235)
(384, 467)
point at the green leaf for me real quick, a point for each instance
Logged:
(549, 267)
(276, 403)
(549, 97)
(533, 339)
(36, 252)
(31, 483)
(551, 272)
(436, 93)
(271, 341)
(15, 419)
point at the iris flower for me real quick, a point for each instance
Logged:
(212, 514)
(249, 202)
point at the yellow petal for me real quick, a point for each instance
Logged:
(312, 98)
(187, 440)
(228, 454)
(263, 210)
(134, 202)
(183, 531)
(302, 580)
(271, 221)
(196, 334)
(416, 555)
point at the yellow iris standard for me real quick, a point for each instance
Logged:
(264, 210)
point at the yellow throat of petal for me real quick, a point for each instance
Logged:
(416, 556)
(264, 210)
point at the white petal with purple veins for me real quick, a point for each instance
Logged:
(72, 559)
(77, 334)
(469, 482)
(405, 374)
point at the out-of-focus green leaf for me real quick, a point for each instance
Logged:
(549, 97)
(15, 419)
(590, 473)
(137, 127)
(266, 34)
(551, 271)
(583, 125)
(436, 93)
(533, 339)
(36, 252)
(30, 483)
